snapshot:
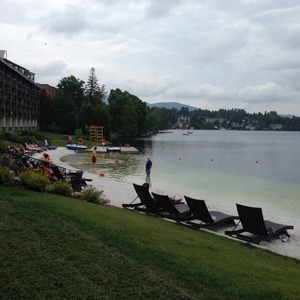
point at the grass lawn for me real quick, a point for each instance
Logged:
(57, 140)
(53, 247)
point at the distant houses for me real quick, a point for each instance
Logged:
(276, 126)
(183, 122)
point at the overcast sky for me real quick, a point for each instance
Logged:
(210, 54)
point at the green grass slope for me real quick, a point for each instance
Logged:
(53, 247)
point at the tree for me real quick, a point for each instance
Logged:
(128, 114)
(94, 115)
(64, 105)
(100, 117)
(93, 92)
(129, 121)
(116, 101)
(69, 122)
(85, 116)
(74, 88)
(47, 110)
(159, 115)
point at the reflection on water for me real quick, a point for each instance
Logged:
(148, 180)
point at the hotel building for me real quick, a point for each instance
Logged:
(19, 97)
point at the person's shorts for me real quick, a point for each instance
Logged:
(148, 172)
(93, 159)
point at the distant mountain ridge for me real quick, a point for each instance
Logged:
(170, 105)
(288, 116)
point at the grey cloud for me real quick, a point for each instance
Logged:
(69, 21)
(50, 72)
(146, 89)
(268, 92)
(293, 38)
(158, 9)
(213, 53)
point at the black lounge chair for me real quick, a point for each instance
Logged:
(64, 176)
(147, 203)
(57, 173)
(253, 223)
(207, 218)
(170, 209)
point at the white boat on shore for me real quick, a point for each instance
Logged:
(113, 149)
(76, 147)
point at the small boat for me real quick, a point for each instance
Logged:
(115, 149)
(76, 147)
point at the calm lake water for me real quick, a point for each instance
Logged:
(222, 167)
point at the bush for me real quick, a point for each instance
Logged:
(34, 180)
(10, 136)
(21, 137)
(92, 195)
(6, 176)
(114, 138)
(61, 188)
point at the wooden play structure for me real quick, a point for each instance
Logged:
(96, 133)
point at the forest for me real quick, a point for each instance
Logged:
(78, 105)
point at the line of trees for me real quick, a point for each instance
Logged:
(78, 105)
(239, 119)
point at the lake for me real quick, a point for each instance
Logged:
(256, 168)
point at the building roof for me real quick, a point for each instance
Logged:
(18, 69)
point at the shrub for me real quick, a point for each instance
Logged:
(34, 180)
(27, 139)
(19, 137)
(92, 195)
(78, 133)
(5, 160)
(25, 177)
(61, 188)
(10, 136)
(6, 176)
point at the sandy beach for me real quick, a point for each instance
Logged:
(119, 192)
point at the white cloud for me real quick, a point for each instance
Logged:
(211, 54)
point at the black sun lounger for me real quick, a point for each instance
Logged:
(207, 218)
(57, 173)
(171, 210)
(147, 203)
(76, 178)
(253, 223)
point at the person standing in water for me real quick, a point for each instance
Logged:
(94, 155)
(117, 157)
(148, 166)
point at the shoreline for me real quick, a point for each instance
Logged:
(119, 192)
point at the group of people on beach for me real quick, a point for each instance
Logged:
(22, 161)
(70, 140)
(44, 164)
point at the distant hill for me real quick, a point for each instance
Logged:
(287, 116)
(170, 105)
